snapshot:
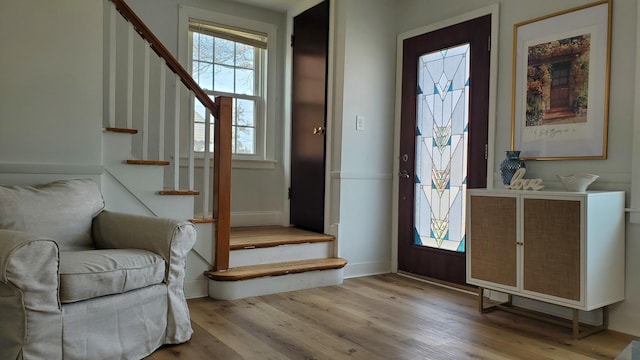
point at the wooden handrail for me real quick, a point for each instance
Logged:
(143, 30)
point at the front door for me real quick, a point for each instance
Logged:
(444, 130)
(308, 117)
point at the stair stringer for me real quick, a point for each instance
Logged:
(141, 181)
(134, 189)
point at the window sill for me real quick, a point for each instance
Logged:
(257, 164)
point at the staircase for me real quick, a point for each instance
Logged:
(148, 153)
(149, 170)
(268, 260)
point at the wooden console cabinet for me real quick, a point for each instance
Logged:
(562, 248)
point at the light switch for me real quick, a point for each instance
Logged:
(359, 123)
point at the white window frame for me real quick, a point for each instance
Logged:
(265, 124)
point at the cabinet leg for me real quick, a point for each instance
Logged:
(579, 330)
(483, 309)
(587, 330)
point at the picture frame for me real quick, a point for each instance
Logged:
(560, 91)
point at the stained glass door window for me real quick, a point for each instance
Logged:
(441, 148)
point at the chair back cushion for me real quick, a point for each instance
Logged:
(62, 211)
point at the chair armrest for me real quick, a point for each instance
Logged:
(29, 296)
(168, 238)
(22, 253)
(171, 239)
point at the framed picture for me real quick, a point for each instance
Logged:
(560, 98)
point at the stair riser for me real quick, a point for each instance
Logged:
(282, 253)
(204, 244)
(232, 290)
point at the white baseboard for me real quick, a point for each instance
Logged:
(196, 288)
(256, 218)
(367, 268)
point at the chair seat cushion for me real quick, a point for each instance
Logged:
(88, 274)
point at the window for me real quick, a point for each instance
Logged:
(231, 62)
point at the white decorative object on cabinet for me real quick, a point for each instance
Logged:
(561, 248)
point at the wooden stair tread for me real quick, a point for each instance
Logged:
(179, 192)
(148, 162)
(271, 236)
(121, 130)
(276, 269)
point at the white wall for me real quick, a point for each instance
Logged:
(615, 171)
(363, 164)
(50, 89)
(257, 193)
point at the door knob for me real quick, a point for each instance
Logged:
(320, 130)
(404, 174)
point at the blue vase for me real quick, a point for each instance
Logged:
(510, 165)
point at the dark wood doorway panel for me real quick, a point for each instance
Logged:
(433, 262)
(308, 119)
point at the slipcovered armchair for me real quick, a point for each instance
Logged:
(80, 282)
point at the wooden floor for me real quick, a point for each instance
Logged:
(377, 317)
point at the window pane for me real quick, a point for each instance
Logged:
(195, 71)
(224, 52)
(206, 48)
(199, 112)
(211, 129)
(195, 51)
(203, 74)
(244, 82)
(245, 55)
(245, 113)
(198, 137)
(245, 143)
(233, 140)
(223, 80)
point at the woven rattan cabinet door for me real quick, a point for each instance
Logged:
(492, 239)
(551, 237)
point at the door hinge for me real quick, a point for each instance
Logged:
(489, 43)
(486, 151)
(289, 194)
(292, 39)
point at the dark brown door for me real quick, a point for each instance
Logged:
(309, 91)
(444, 129)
